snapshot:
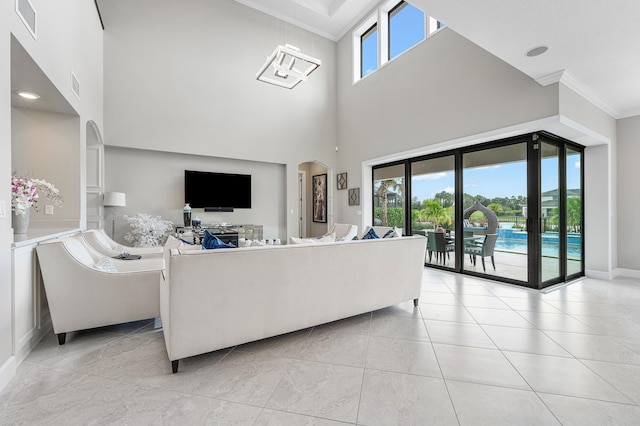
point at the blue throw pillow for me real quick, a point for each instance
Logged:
(389, 233)
(370, 235)
(210, 242)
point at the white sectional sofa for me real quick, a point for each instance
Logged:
(214, 299)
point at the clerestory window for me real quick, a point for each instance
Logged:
(394, 28)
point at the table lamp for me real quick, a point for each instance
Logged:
(115, 200)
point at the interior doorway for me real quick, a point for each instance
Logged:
(315, 195)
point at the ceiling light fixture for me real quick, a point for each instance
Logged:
(28, 95)
(287, 67)
(537, 51)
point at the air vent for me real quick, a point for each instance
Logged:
(27, 13)
(75, 85)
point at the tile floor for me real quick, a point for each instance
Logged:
(472, 353)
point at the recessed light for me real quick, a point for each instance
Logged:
(28, 95)
(537, 51)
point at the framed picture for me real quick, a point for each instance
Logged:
(320, 198)
(342, 181)
(354, 197)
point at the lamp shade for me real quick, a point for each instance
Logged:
(115, 199)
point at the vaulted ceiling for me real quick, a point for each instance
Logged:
(593, 45)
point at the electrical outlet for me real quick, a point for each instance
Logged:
(48, 209)
(3, 209)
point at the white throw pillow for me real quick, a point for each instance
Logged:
(105, 264)
(324, 239)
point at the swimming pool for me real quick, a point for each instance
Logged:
(516, 241)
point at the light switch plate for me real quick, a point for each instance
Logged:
(48, 209)
(3, 209)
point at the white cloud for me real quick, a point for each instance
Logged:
(577, 164)
(430, 176)
(495, 166)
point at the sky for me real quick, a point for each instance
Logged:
(407, 28)
(504, 180)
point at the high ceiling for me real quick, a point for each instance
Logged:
(593, 44)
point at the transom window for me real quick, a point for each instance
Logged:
(369, 48)
(394, 28)
(406, 28)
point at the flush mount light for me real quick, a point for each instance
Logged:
(537, 51)
(287, 66)
(28, 95)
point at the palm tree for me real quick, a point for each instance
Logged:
(574, 213)
(433, 210)
(383, 191)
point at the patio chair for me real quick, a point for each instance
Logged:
(436, 242)
(483, 249)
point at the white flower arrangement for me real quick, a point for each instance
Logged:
(25, 192)
(147, 231)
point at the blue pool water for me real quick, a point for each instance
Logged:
(516, 241)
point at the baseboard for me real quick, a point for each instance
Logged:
(631, 273)
(7, 372)
(600, 275)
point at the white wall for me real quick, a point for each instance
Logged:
(153, 182)
(69, 38)
(182, 79)
(627, 193)
(7, 365)
(600, 200)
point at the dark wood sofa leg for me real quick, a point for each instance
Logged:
(415, 302)
(174, 366)
(62, 337)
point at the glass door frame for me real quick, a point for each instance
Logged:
(535, 179)
(534, 211)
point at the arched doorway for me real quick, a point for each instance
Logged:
(94, 176)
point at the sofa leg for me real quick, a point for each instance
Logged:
(62, 337)
(174, 366)
(415, 302)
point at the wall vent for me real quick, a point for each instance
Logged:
(27, 13)
(75, 85)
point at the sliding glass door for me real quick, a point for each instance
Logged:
(550, 212)
(510, 210)
(574, 209)
(433, 207)
(388, 196)
(495, 211)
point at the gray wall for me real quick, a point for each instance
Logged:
(182, 79)
(443, 89)
(153, 182)
(56, 139)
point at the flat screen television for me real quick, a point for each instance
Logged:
(216, 190)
